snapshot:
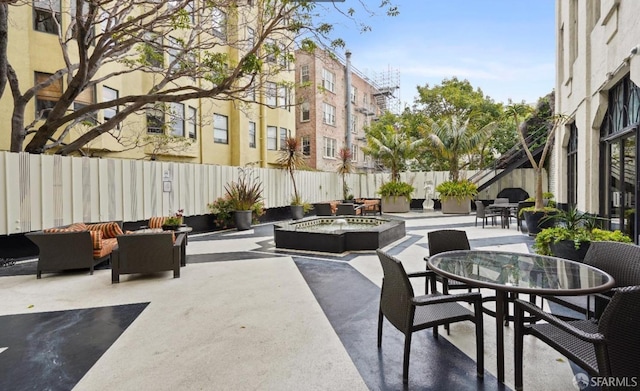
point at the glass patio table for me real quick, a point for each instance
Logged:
(509, 272)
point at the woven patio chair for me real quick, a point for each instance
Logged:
(409, 313)
(147, 253)
(620, 260)
(323, 209)
(447, 240)
(348, 210)
(608, 348)
(483, 214)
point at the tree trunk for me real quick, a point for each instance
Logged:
(4, 39)
(539, 199)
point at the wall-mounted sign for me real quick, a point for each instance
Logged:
(166, 186)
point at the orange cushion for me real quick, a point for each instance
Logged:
(77, 227)
(53, 230)
(107, 247)
(156, 222)
(96, 239)
(109, 230)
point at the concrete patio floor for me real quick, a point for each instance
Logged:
(245, 316)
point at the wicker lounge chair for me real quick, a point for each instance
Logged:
(620, 260)
(409, 313)
(147, 253)
(607, 348)
(323, 209)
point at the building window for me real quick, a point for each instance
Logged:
(354, 94)
(272, 138)
(251, 38)
(220, 129)
(284, 134)
(572, 166)
(85, 98)
(109, 94)
(328, 114)
(305, 113)
(282, 97)
(271, 94)
(44, 12)
(270, 48)
(354, 153)
(330, 147)
(153, 50)
(252, 134)
(192, 122)
(328, 80)
(219, 23)
(173, 51)
(306, 146)
(304, 74)
(177, 119)
(155, 120)
(354, 123)
(47, 97)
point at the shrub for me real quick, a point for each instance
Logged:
(459, 190)
(396, 189)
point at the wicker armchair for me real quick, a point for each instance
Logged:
(483, 214)
(408, 313)
(147, 253)
(607, 348)
(447, 240)
(323, 209)
(620, 260)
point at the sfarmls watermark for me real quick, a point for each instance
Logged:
(582, 381)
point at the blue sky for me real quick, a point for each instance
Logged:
(504, 47)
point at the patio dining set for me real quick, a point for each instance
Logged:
(604, 343)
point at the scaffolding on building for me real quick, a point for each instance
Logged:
(388, 86)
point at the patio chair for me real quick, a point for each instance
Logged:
(447, 240)
(620, 260)
(348, 210)
(409, 313)
(483, 214)
(607, 348)
(147, 253)
(323, 209)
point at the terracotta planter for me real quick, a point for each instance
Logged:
(395, 205)
(456, 206)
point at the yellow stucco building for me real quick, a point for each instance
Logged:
(204, 130)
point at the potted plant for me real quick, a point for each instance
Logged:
(564, 243)
(542, 122)
(456, 196)
(396, 196)
(291, 159)
(345, 167)
(538, 219)
(245, 199)
(173, 222)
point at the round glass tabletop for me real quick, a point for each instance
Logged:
(518, 272)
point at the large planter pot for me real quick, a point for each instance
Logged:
(456, 206)
(297, 212)
(566, 249)
(395, 204)
(242, 219)
(535, 222)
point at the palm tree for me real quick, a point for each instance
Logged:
(345, 167)
(291, 158)
(452, 138)
(393, 147)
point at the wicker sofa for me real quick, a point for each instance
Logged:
(75, 246)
